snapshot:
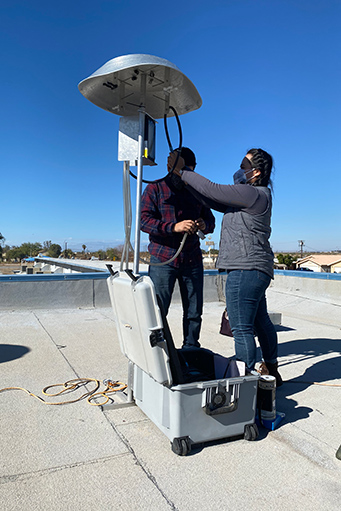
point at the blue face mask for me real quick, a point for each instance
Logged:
(239, 177)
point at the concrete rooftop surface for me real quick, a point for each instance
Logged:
(78, 456)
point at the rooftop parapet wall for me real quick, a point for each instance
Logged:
(27, 292)
(89, 290)
(323, 287)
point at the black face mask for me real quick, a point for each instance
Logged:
(176, 181)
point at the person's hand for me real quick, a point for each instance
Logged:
(200, 223)
(188, 226)
(171, 161)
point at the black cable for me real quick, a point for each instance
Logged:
(169, 145)
(179, 128)
(145, 180)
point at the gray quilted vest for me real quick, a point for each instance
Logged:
(244, 239)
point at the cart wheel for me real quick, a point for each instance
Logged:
(251, 432)
(181, 446)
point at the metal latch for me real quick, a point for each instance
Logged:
(156, 337)
(219, 399)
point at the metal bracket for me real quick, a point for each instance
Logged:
(111, 271)
(131, 274)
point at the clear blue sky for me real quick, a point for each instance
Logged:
(268, 72)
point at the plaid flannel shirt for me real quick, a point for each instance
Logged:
(162, 206)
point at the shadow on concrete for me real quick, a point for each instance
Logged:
(319, 372)
(309, 348)
(281, 328)
(304, 349)
(322, 371)
(300, 350)
(10, 352)
(293, 412)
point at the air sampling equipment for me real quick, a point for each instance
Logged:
(196, 395)
(140, 88)
(128, 140)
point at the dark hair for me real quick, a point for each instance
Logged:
(189, 157)
(262, 161)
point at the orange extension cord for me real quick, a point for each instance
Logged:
(72, 385)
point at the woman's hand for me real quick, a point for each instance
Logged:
(171, 161)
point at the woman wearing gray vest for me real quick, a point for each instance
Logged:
(244, 251)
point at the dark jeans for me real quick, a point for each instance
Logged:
(247, 311)
(191, 283)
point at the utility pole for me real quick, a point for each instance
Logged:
(301, 243)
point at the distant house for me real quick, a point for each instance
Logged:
(328, 263)
(280, 266)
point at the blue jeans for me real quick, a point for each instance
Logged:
(247, 311)
(191, 283)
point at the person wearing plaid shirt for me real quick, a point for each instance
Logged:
(168, 211)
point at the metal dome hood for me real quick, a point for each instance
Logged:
(125, 84)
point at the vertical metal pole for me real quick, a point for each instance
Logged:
(139, 175)
(130, 383)
(127, 216)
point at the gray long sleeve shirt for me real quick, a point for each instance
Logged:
(245, 230)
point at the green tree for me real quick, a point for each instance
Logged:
(31, 249)
(67, 254)
(101, 255)
(13, 254)
(280, 258)
(47, 245)
(54, 250)
(25, 250)
(112, 254)
(286, 259)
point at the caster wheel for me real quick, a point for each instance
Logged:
(251, 432)
(181, 446)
